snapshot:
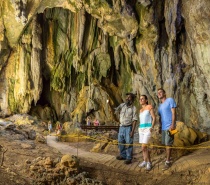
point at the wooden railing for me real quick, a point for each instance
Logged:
(101, 127)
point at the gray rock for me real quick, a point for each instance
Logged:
(32, 134)
(10, 126)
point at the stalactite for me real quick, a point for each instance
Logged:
(2, 36)
(23, 12)
(104, 45)
(81, 30)
(145, 2)
(20, 10)
(36, 60)
(76, 47)
(90, 42)
(129, 35)
(130, 44)
(2, 28)
(117, 56)
(117, 5)
(22, 75)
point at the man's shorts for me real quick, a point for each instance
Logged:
(144, 135)
(167, 139)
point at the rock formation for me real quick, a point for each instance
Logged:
(72, 56)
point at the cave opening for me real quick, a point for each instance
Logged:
(41, 107)
(44, 97)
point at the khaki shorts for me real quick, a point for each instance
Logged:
(167, 139)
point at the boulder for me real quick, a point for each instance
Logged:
(185, 136)
(10, 126)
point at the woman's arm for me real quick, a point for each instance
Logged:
(153, 118)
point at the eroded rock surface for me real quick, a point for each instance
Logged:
(79, 58)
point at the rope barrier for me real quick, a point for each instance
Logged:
(115, 142)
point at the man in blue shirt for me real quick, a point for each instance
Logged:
(167, 113)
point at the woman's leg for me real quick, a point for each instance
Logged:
(144, 152)
(148, 155)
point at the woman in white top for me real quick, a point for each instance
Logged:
(146, 126)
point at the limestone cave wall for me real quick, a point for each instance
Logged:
(70, 58)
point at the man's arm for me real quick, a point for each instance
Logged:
(160, 125)
(133, 128)
(173, 110)
(118, 109)
(134, 121)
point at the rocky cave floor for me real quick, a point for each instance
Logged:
(18, 151)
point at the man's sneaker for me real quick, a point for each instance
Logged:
(148, 166)
(127, 161)
(120, 158)
(143, 164)
(166, 166)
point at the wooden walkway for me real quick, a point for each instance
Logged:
(184, 163)
(106, 159)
